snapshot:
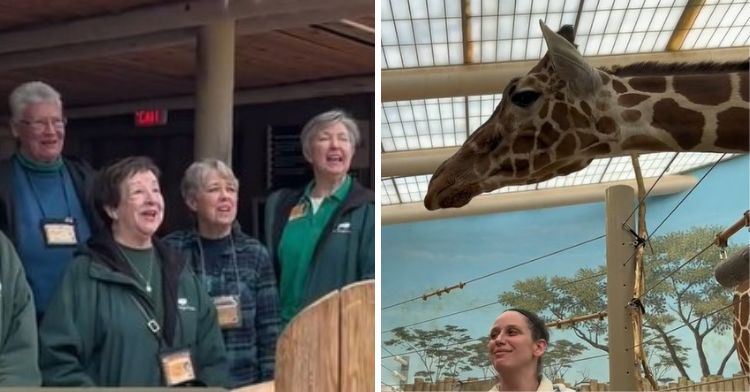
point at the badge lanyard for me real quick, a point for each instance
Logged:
(177, 366)
(39, 201)
(234, 261)
(227, 306)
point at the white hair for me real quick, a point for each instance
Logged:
(31, 93)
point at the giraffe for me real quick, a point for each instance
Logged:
(564, 113)
(734, 273)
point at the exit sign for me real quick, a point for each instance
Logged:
(150, 117)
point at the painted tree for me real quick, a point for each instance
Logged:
(683, 292)
(559, 355)
(687, 293)
(442, 352)
(480, 359)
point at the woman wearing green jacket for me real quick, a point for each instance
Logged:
(18, 338)
(322, 237)
(129, 312)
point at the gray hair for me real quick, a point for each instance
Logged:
(195, 176)
(323, 121)
(31, 93)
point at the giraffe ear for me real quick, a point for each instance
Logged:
(569, 64)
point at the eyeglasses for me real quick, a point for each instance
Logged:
(42, 123)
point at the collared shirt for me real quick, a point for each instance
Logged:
(545, 385)
(299, 241)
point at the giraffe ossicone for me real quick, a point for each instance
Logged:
(564, 113)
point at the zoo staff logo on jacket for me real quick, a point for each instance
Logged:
(343, 228)
(182, 304)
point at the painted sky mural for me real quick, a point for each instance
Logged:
(425, 256)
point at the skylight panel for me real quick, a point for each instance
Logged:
(422, 32)
(719, 24)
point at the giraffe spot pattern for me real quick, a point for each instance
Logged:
(728, 121)
(559, 96)
(599, 149)
(560, 115)
(586, 108)
(486, 140)
(693, 88)
(481, 166)
(618, 86)
(644, 143)
(523, 144)
(602, 106)
(744, 86)
(542, 78)
(579, 120)
(631, 115)
(541, 160)
(685, 125)
(543, 110)
(567, 146)
(606, 125)
(586, 139)
(573, 167)
(547, 136)
(631, 99)
(648, 84)
(522, 167)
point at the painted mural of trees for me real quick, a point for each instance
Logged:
(681, 298)
(440, 352)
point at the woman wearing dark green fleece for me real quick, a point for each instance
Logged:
(322, 237)
(129, 311)
(18, 339)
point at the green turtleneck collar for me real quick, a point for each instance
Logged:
(30, 164)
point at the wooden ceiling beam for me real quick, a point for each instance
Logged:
(477, 79)
(325, 88)
(162, 39)
(172, 16)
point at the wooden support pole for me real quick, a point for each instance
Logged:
(689, 14)
(215, 92)
(620, 283)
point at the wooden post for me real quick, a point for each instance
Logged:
(214, 100)
(620, 283)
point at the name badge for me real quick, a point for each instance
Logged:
(297, 212)
(228, 311)
(177, 367)
(59, 232)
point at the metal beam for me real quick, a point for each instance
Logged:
(691, 11)
(531, 200)
(477, 79)
(146, 20)
(326, 88)
(413, 163)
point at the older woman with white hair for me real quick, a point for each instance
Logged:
(322, 235)
(234, 268)
(43, 207)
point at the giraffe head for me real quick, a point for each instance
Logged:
(542, 128)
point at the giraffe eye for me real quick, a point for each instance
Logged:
(524, 98)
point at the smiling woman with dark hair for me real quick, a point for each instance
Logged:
(518, 340)
(129, 311)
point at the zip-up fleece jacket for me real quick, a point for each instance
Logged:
(94, 334)
(345, 252)
(18, 338)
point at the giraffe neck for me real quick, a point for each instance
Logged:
(698, 112)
